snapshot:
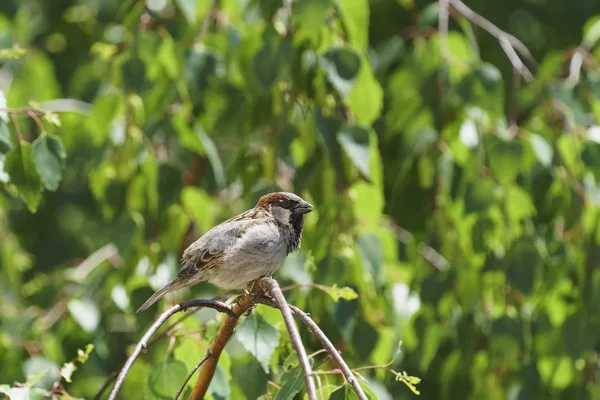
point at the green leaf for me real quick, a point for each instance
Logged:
(188, 9)
(83, 355)
(366, 97)
(219, 386)
(67, 371)
(104, 111)
(344, 292)
(310, 16)
(344, 392)
(355, 14)
(480, 195)
(341, 66)
(355, 143)
(542, 149)
(20, 167)
(591, 32)
(291, 384)
(49, 156)
(86, 313)
(213, 156)
(259, 337)
(521, 264)
(578, 334)
(372, 256)
(272, 59)
(506, 158)
(167, 377)
(6, 144)
(41, 372)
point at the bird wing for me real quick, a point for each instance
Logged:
(205, 253)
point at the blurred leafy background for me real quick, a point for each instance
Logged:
(454, 193)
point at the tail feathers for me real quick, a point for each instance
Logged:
(156, 296)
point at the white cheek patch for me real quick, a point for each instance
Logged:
(281, 214)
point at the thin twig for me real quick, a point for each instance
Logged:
(575, 65)
(206, 22)
(163, 335)
(108, 252)
(37, 120)
(192, 372)
(514, 59)
(217, 305)
(272, 286)
(443, 28)
(17, 128)
(493, 29)
(335, 355)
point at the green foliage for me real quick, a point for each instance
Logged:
(457, 204)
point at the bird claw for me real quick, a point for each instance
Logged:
(249, 310)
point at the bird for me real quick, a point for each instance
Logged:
(244, 248)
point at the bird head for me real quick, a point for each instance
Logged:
(287, 208)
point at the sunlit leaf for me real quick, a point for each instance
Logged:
(167, 377)
(259, 337)
(86, 313)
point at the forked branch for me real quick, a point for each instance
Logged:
(273, 287)
(217, 305)
(327, 345)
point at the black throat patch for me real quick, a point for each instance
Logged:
(296, 221)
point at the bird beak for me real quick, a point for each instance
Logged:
(303, 207)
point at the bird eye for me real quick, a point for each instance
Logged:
(285, 203)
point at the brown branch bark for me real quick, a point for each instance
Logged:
(243, 304)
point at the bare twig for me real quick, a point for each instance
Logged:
(327, 345)
(575, 65)
(108, 252)
(510, 44)
(37, 120)
(192, 372)
(443, 28)
(206, 22)
(17, 128)
(272, 286)
(514, 58)
(492, 29)
(217, 305)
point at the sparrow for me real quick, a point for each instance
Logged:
(244, 248)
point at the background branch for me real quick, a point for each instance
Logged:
(508, 42)
(272, 286)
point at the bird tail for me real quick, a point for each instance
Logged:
(158, 294)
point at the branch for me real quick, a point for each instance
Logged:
(209, 366)
(327, 345)
(508, 42)
(192, 372)
(217, 305)
(272, 286)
